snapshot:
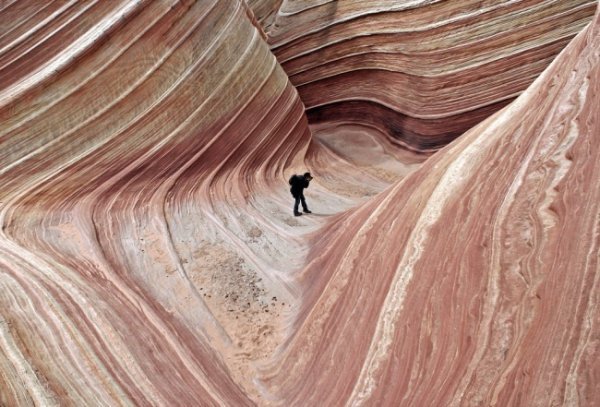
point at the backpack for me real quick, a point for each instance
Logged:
(292, 179)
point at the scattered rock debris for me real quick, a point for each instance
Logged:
(237, 297)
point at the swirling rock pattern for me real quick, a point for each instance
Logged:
(120, 121)
(148, 255)
(422, 71)
(475, 280)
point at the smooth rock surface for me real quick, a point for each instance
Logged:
(125, 127)
(475, 280)
(148, 254)
(422, 71)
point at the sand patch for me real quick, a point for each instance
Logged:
(244, 305)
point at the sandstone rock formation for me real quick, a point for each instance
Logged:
(123, 126)
(422, 71)
(148, 255)
(265, 11)
(475, 280)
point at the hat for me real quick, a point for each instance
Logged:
(307, 175)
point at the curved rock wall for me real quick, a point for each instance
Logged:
(119, 119)
(422, 71)
(475, 280)
(147, 250)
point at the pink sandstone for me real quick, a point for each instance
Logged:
(421, 71)
(148, 255)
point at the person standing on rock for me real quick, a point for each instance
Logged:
(298, 183)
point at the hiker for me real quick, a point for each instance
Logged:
(298, 183)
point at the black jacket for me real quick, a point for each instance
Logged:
(298, 183)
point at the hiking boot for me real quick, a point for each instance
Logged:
(307, 211)
(297, 214)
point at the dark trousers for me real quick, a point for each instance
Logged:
(299, 198)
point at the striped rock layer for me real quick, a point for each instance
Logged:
(265, 11)
(119, 121)
(148, 255)
(476, 279)
(422, 71)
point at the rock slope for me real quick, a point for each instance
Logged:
(123, 123)
(147, 250)
(475, 280)
(422, 71)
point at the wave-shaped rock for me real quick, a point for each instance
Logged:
(147, 250)
(475, 280)
(121, 123)
(423, 71)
